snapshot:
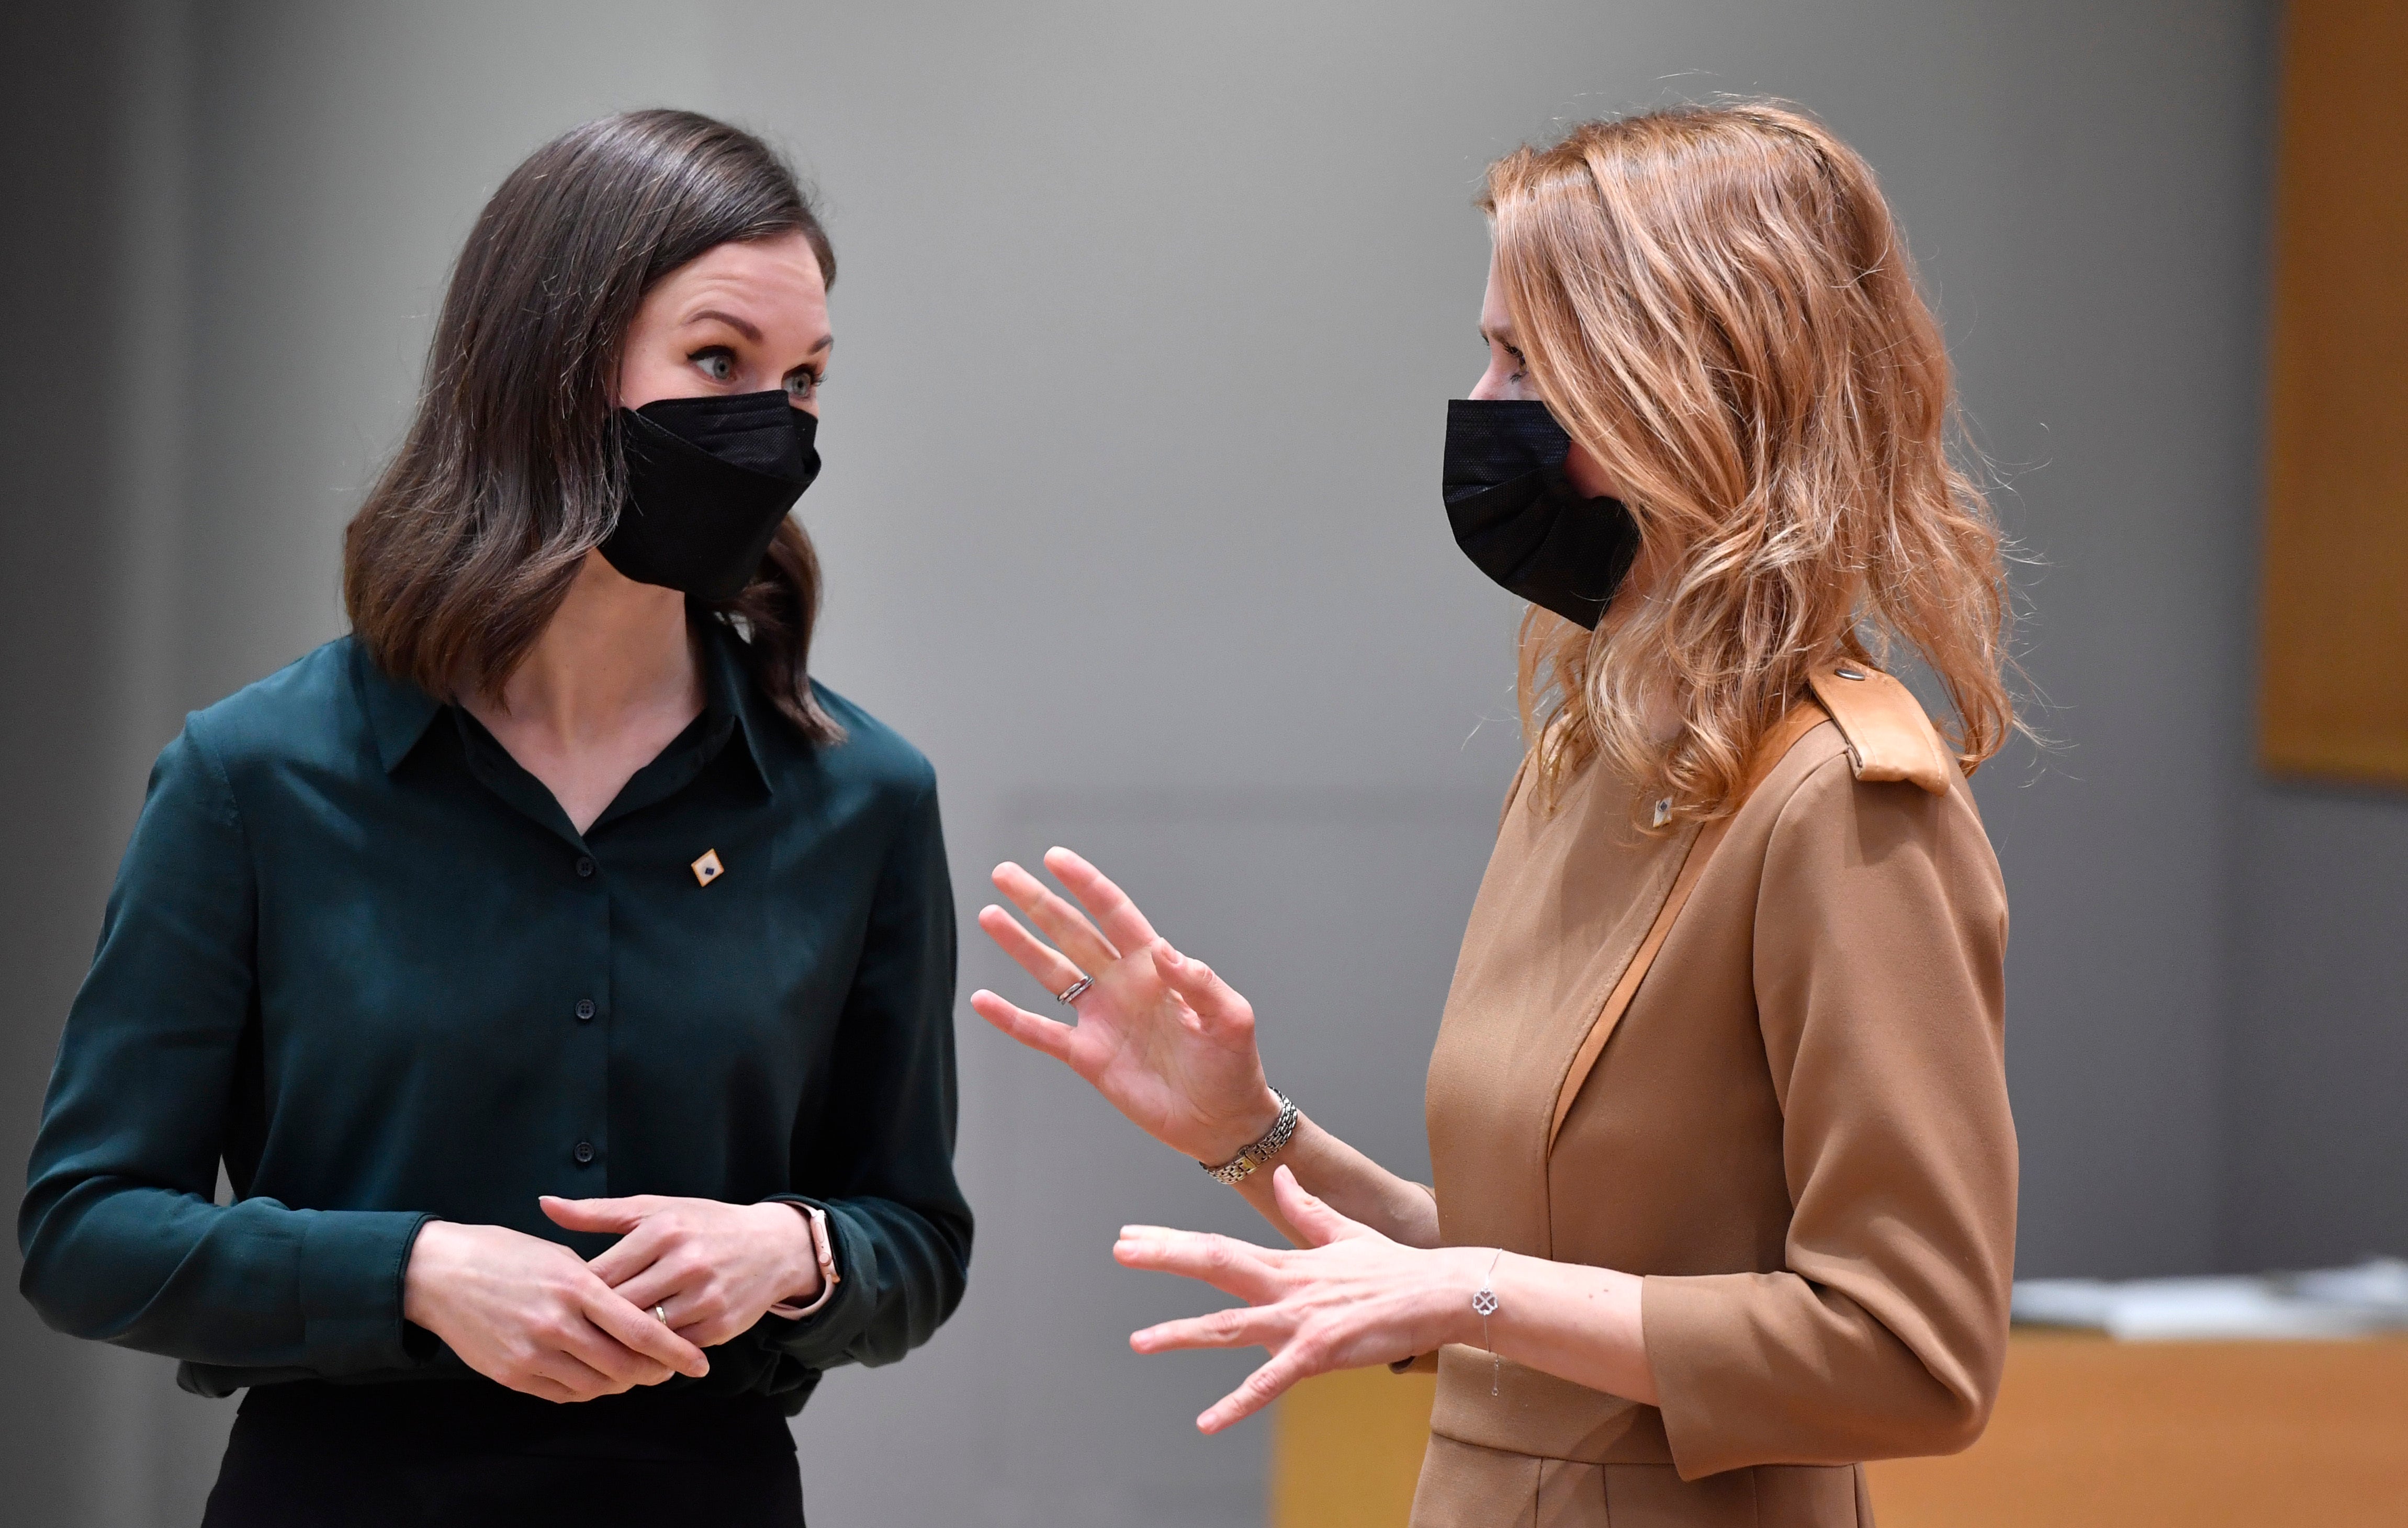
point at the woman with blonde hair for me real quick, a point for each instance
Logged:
(1725, 1173)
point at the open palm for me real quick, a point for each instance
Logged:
(1165, 1040)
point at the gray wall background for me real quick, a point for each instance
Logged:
(1146, 317)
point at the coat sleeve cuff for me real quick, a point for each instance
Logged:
(352, 1263)
(1687, 1325)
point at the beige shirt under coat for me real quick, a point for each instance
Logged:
(1798, 1132)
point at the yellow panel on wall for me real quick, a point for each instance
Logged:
(1346, 1449)
(2334, 700)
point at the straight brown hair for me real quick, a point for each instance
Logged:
(511, 471)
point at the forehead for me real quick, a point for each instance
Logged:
(780, 275)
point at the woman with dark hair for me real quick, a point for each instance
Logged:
(562, 975)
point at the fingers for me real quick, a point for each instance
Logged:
(620, 1366)
(1041, 960)
(697, 1315)
(642, 1332)
(1229, 1266)
(683, 1286)
(1061, 923)
(596, 1214)
(1032, 1030)
(562, 1377)
(674, 1279)
(1111, 906)
(1262, 1387)
(1316, 1223)
(659, 1285)
(1215, 1002)
(633, 1253)
(1238, 1326)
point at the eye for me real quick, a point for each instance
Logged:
(716, 362)
(802, 386)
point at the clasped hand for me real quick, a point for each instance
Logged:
(1348, 1299)
(534, 1316)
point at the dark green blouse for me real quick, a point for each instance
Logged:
(360, 954)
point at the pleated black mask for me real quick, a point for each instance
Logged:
(1521, 521)
(707, 481)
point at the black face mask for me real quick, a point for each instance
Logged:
(1520, 520)
(707, 481)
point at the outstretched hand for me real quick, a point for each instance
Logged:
(1350, 1298)
(1163, 1038)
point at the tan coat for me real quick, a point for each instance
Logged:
(1797, 1132)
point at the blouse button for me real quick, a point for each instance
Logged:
(584, 1153)
(584, 864)
(584, 1011)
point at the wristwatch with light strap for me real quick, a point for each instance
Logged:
(822, 1252)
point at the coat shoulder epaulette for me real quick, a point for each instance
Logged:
(1889, 736)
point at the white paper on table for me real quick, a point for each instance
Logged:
(2329, 1303)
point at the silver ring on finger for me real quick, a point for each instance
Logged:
(661, 1314)
(1068, 996)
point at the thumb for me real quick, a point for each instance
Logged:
(1316, 1223)
(1214, 1001)
(593, 1214)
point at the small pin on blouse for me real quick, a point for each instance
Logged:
(707, 868)
(1664, 811)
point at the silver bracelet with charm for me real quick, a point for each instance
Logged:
(1484, 1302)
(1242, 1165)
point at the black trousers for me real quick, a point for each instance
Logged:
(466, 1455)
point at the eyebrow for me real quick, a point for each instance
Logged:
(747, 330)
(741, 326)
(1501, 336)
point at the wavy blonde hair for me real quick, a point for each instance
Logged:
(1715, 302)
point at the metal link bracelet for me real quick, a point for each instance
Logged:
(1242, 1165)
